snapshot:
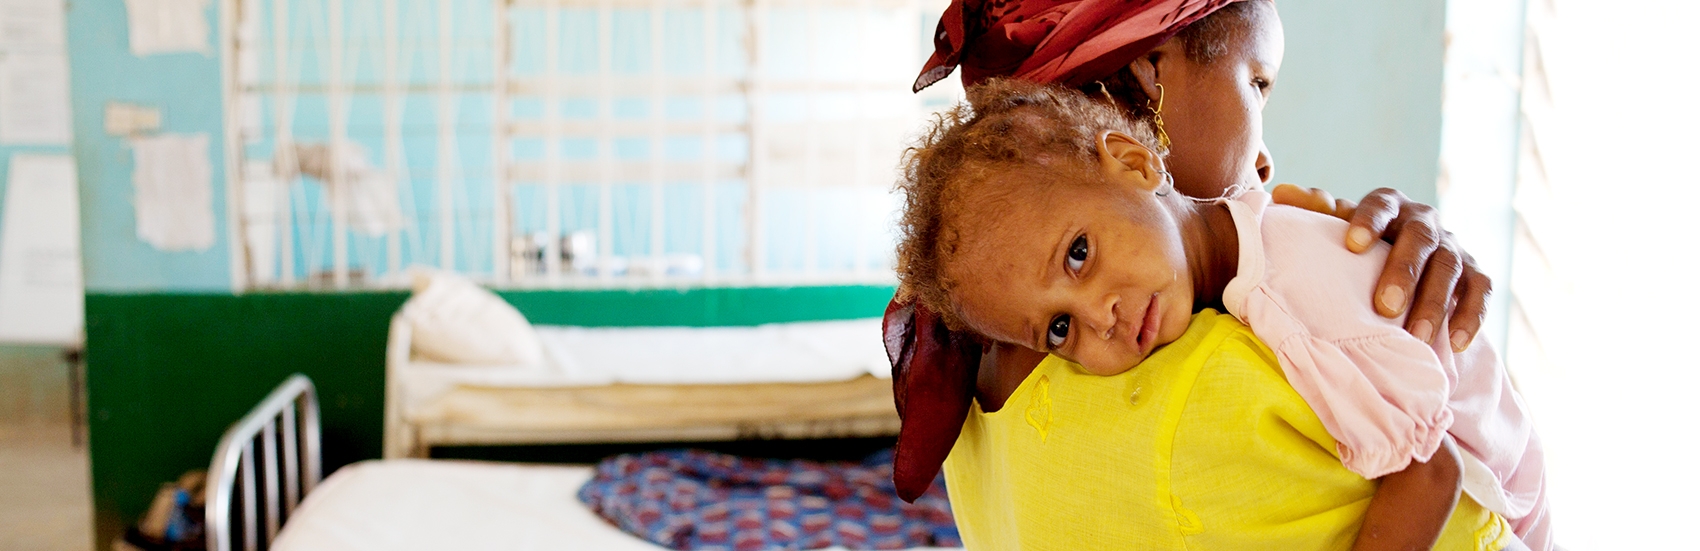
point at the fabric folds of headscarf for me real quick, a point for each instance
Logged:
(932, 376)
(1069, 42)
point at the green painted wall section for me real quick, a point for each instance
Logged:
(167, 373)
(700, 307)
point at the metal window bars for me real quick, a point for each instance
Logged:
(251, 492)
(570, 142)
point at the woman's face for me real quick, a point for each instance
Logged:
(1214, 112)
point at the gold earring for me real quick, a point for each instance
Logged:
(1097, 90)
(1157, 117)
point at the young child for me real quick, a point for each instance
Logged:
(1039, 217)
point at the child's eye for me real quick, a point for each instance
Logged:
(1058, 331)
(1077, 254)
(1261, 84)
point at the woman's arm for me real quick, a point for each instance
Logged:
(1411, 506)
(1426, 262)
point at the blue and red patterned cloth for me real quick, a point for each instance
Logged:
(693, 499)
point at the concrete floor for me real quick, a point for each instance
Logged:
(44, 479)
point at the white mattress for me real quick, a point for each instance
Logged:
(805, 352)
(423, 505)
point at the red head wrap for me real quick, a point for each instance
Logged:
(1070, 42)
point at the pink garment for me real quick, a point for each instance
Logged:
(1385, 396)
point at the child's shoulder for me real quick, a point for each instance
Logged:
(1302, 272)
(1298, 239)
(1293, 224)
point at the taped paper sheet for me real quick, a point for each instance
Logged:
(167, 26)
(173, 180)
(41, 284)
(34, 26)
(35, 99)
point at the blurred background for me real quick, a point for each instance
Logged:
(203, 196)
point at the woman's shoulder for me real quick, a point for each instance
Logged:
(1217, 339)
(1239, 380)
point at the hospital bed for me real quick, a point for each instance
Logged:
(599, 385)
(265, 492)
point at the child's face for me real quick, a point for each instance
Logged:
(1091, 270)
(1214, 112)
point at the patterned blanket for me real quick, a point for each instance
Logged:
(693, 499)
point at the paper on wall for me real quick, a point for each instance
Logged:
(35, 99)
(41, 286)
(173, 180)
(167, 26)
(32, 26)
(261, 195)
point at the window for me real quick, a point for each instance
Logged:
(1589, 243)
(570, 143)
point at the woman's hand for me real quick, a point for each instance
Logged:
(1425, 258)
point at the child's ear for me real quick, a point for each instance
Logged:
(1125, 160)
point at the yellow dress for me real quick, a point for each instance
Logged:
(1202, 446)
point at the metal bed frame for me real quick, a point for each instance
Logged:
(286, 427)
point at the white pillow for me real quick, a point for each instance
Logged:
(456, 321)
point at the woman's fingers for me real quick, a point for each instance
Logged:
(1415, 233)
(1470, 299)
(1311, 199)
(1344, 209)
(1428, 274)
(1373, 216)
(1434, 290)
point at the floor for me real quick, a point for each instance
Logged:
(44, 479)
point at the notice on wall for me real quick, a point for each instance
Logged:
(35, 99)
(41, 286)
(173, 180)
(167, 26)
(36, 26)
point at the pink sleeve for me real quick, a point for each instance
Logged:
(1493, 426)
(1382, 397)
(1386, 397)
(1381, 393)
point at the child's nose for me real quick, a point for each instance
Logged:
(1103, 320)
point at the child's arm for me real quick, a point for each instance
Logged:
(1411, 506)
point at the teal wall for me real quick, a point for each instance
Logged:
(186, 89)
(1357, 104)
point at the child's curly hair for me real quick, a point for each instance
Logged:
(1005, 125)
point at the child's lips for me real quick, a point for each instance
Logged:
(1148, 328)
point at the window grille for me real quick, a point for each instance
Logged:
(1601, 257)
(572, 142)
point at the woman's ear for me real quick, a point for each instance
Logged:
(1126, 161)
(1149, 67)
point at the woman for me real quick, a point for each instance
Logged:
(1201, 70)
